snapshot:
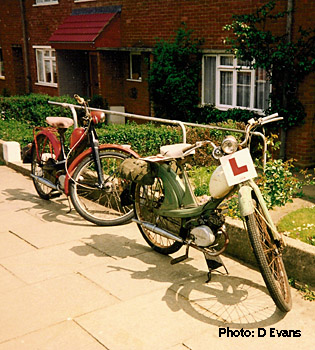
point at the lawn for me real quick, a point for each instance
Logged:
(299, 224)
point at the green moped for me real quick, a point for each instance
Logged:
(169, 216)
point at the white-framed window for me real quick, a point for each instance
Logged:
(1, 64)
(46, 66)
(135, 67)
(230, 83)
(46, 2)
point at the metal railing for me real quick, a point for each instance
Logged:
(161, 120)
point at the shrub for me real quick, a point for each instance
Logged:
(210, 114)
(174, 76)
(33, 108)
(145, 139)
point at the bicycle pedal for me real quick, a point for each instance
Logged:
(55, 195)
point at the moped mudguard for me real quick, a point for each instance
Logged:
(77, 160)
(246, 205)
(245, 202)
(53, 139)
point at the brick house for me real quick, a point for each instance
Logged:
(104, 47)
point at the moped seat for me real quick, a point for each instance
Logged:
(59, 122)
(175, 151)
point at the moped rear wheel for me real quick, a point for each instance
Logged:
(102, 206)
(269, 259)
(43, 153)
(147, 198)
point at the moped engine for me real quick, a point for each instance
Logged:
(203, 236)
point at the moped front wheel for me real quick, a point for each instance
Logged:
(269, 259)
(146, 199)
(100, 205)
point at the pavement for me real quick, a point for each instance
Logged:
(67, 284)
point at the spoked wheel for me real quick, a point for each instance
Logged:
(269, 259)
(102, 206)
(148, 198)
(43, 158)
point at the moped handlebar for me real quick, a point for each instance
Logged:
(79, 99)
(251, 124)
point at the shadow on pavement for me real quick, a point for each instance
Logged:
(225, 301)
(56, 210)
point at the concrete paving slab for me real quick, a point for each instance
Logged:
(117, 241)
(10, 245)
(143, 274)
(69, 283)
(46, 263)
(41, 305)
(145, 322)
(293, 331)
(66, 335)
(8, 281)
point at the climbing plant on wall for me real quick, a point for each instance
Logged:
(174, 76)
(286, 61)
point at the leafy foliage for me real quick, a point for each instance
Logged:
(174, 76)
(286, 62)
(278, 184)
(33, 108)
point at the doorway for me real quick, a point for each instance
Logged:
(94, 81)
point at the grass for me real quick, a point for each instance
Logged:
(306, 292)
(200, 177)
(299, 224)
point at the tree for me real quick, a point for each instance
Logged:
(174, 76)
(286, 62)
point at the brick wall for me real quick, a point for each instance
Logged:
(301, 139)
(10, 36)
(142, 21)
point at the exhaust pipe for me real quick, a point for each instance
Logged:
(158, 230)
(45, 182)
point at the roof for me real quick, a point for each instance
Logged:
(94, 29)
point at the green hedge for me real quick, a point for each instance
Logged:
(33, 108)
(20, 113)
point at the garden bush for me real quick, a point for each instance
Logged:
(33, 108)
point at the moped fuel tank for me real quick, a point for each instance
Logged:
(76, 135)
(218, 185)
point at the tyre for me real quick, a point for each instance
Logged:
(102, 206)
(146, 199)
(43, 158)
(269, 259)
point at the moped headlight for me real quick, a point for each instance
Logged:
(229, 144)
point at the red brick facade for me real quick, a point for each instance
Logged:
(141, 22)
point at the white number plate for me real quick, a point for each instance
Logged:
(238, 167)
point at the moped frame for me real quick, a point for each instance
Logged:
(180, 202)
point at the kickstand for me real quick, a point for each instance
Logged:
(70, 208)
(181, 258)
(213, 263)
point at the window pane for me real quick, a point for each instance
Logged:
(262, 89)
(243, 89)
(209, 79)
(48, 72)
(40, 67)
(55, 72)
(226, 61)
(243, 63)
(1, 64)
(135, 67)
(226, 88)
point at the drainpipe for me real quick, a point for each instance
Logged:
(25, 48)
(288, 31)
